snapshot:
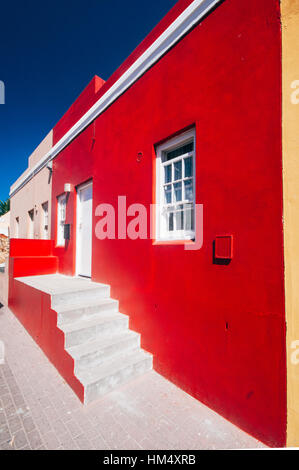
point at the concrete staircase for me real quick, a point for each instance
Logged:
(105, 352)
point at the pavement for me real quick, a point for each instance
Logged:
(39, 411)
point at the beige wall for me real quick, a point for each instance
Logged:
(41, 150)
(31, 197)
(290, 68)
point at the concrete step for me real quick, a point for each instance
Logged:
(105, 352)
(78, 311)
(87, 293)
(91, 329)
(96, 352)
(103, 378)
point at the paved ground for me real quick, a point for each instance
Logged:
(38, 410)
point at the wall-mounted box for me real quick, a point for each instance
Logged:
(224, 247)
(67, 231)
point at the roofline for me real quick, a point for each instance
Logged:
(172, 34)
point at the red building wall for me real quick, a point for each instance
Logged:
(82, 104)
(218, 331)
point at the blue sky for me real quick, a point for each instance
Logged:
(49, 51)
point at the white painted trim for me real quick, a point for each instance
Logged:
(172, 143)
(180, 26)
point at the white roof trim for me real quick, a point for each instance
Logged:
(182, 24)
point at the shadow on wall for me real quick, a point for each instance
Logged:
(219, 261)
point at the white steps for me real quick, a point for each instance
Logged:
(96, 352)
(86, 330)
(105, 352)
(88, 294)
(79, 311)
(103, 378)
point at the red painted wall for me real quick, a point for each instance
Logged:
(31, 257)
(218, 331)
(82, 104)
(98, 87)
(20, 247)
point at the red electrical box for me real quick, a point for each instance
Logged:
(224, 247)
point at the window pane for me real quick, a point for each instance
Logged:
(188, 190)
(179, 219)
(189, 217)
(167, 174)
(180, 151)
(177, 170)
(178, 191)
(188, 167)
(167, 192)
(63, 210)
(170, 221)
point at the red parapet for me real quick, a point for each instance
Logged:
(31, 258)
(34, 266)
(24, 247)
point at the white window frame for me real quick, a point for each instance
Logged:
(162, 234)
(61, 218)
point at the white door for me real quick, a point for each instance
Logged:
(84, 230)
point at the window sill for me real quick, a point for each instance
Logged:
(186, 241)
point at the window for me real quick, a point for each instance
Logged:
(31, 223)
(45, 222)
(61, 217)
(176, 188)
(17, 227)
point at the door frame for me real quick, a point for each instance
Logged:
(79, 188)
